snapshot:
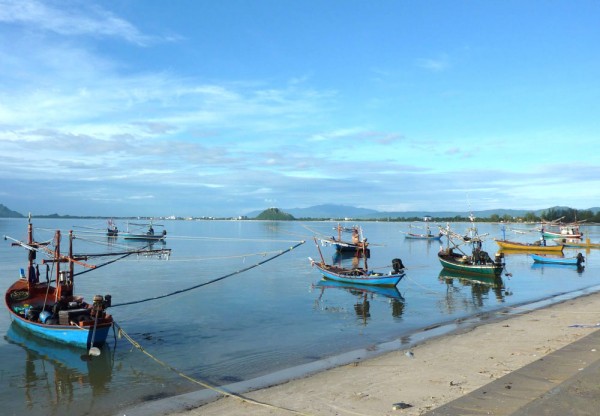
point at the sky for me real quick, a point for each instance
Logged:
(221, 108)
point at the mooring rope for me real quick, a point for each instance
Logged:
(211, 281)
(106, 263)
(133, 342)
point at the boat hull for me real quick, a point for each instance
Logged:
(454, 264)
(512, 245)
(69, 335)
(569, 261)
(143, 237)
(580, 244)
(374, 279)
(550, 234)
(422, 237)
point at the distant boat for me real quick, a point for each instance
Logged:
(111, 229)
(570, 230)
(571, 261)
(357, 274)
(579, 244)
(566, 231)
(357, 242)
(141, 235)
(476, 262)
(428, 235)
(537, 247)
(53, 311)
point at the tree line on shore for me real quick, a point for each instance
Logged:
(565, 215)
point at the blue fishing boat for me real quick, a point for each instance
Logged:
(357, 274)
(53, 311)
(360, 275)
(570, 261)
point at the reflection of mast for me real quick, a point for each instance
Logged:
(362, 309)
(364, 296)
(53, 372)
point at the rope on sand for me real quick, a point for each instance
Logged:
(124, 334)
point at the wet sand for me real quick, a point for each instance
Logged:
(429, 375)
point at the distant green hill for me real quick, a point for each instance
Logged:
(7, 213)
(275, 214)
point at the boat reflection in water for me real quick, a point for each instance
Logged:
(481, 289)
(364, 295)
(58, 377)
(542, 267)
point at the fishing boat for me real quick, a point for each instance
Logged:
(427, 235)
(571, 261)
(477, 261)
(537, 247)
(111, 229)
(357, 242)
(568, 230)
(53, 311)
(139, 234)
(575, 243)
(357, 274)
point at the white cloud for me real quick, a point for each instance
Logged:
(434, 64)
(83, 19)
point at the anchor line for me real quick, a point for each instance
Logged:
(137, 345)
(107, 263)
(211, 281)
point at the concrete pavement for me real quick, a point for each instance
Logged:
(565, 382)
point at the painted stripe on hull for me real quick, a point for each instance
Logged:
(389, 280)
(471, 269)
(71, 335)
(555, 260)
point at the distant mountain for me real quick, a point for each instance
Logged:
(7, 213)
(343, 211)
(332, 211)
(274, 214)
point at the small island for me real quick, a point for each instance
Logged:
(275, 214)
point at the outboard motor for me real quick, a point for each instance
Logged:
(580, 259)
(499, 258)
(397, 266)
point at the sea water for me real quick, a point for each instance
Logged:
(256, 321)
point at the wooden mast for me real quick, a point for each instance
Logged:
(57, 265)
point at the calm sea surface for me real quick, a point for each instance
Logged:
(270, 318)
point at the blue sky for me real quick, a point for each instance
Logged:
(197, 107)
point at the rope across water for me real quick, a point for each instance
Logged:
(211, 281)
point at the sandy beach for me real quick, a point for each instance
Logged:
(433, 373)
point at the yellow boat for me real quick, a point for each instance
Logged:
(513, 245)
(580, 244)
